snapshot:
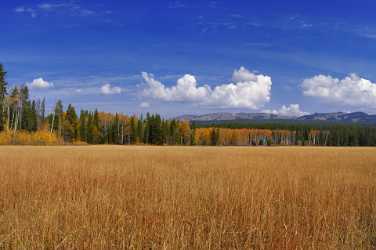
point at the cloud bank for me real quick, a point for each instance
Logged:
(352, 90)
(293, 110)
(247, 90)
(53, 7)
(26, 10)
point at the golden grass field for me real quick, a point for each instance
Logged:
(114, 197)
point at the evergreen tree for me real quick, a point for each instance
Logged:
(68, 131)
(43, 109)
(15, 109)
(33, 118)
(72, 119)
(140, 129)
(134, 135)
(90, 136)
(155, 130)
(147, 129)
(58, 118)
(83, 127)
(26, 112)
(93, 128)
(3, 92)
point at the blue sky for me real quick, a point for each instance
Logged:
(286, 57)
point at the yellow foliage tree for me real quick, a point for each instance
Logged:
(26, 138)
(203, 136)
(185, 132)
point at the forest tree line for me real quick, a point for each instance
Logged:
(282, 132)
(25, 121)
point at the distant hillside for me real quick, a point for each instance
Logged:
(356, 117)
(231, 117)
(340, 117)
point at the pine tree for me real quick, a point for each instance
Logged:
(134, 132)
(57, 118)
(72, 119)
(147, 129)
(83, 126)
(68, 131)
(95, 128)
(3, 92)
(26, 112)
(15, 109)
(89, 126)
(140, 129)
(33, 118)
(155, 130)
(43, 109)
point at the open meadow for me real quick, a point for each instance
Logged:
(144, 197)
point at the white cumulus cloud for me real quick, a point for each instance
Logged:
(39, 83)
(351, 91)
(247, 90)
(144, 105)
(293, 110)
(107, 89)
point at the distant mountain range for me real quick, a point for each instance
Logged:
(341, 117)
(229, 117)
(356, 117)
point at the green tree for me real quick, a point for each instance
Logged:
(15, 108)
(134, 131)
(155, 130)
(93, 131)
(33, 118)
(68, 131)
(83, 127)
(27, 118)
(140, 129)
(58, 118)
(72, 119)
(3, 92)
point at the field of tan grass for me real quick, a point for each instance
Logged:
(114, 197)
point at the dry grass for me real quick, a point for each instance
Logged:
(99, 197)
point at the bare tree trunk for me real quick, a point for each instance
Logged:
(60, 126)
(17, 117)
(326, 138)
(52, 124)
(122, 134)
(20, 108)
(6, 105)
(118, 132)
(8, 118)
(3, 111)
(13, 119)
